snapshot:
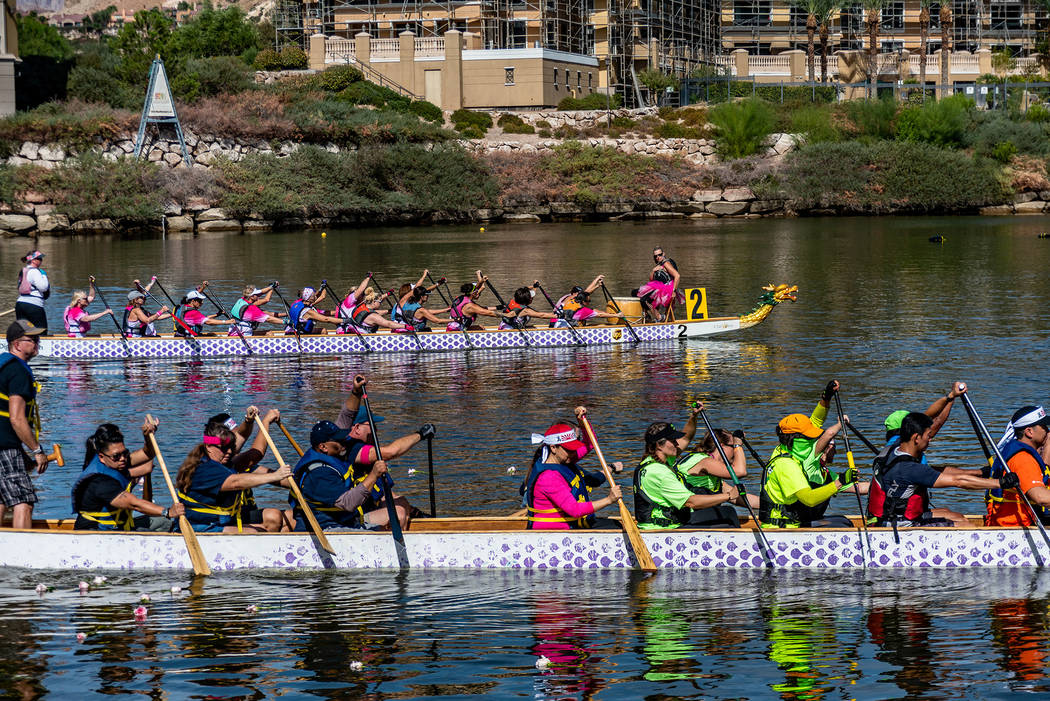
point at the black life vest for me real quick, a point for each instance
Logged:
(180, 313)
(361, 313)
(644, 507)
(32, 409)
(662, 275)
(896, 507)
(512, 315)
(785, 515)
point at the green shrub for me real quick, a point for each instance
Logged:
(617, 122)
(886, 176)
(596, 173)
(666, 112)
(1037, 113)
(268, 60)
(1004, 151)
(546, 133)
(477, 122)
(217, 75)
(943, 122)
(544, 124)
(996, 128)
(100, 86)
(91, 187)
(742, 127)
(513, 124)
(814, 124)
(674, 130)
(693, 116)
(294, 58)
(336, 78)
(721, 91)
(427, 110)
(367, 93)
(593, 101)
(870, 120)
(73, 124)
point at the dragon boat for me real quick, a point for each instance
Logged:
(170, 346)
(502, 542)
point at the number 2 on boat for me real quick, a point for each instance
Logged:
(695, 303)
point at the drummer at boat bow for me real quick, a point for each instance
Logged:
(212, 489)
(663, 290)
(797, 485)
(325, 475)
(102, 498)
(557, 491)
(906, 480)
(1026, 447)
(662, 499)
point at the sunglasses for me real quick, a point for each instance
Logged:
(117, 457)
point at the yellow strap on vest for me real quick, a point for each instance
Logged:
(32, 410)
(120, 518)
(553, 519)
(210, 509)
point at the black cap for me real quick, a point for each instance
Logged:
(21, 328)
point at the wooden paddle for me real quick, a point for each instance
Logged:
(291, 440)
(7, 311)
(56, 456)
(197, 559)
(641, 553)
(310, 518)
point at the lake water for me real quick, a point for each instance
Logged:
(894, 317)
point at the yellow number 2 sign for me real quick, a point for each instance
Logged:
(695, 303)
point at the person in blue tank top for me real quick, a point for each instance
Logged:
(336, 495)
(303, 315)
(213, 491)
(411, 309)
(102, 495)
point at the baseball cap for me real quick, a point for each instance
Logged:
(324, 431)
(194, 294)
(21, 328)
(33, 256)
(799, 423)
(565, 435)
(660, 431)
(362, 417)
(255, 291)
(1030, 416)
(135, 294)
(893, 421)
(308, 292)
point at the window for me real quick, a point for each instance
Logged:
(935, 16)
(1005, 17)
(893, 17)
(517, 37)
(508, 75)
(799, 17)
(579, 80)
(590, 85)
(555, 78)
(753, 13)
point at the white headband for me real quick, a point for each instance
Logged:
(554, 439)
(230, 424)
(1030, 419)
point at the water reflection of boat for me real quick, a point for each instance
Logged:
(503, 543)
(111, 347)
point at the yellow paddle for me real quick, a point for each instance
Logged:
(310, 518)
(641, 552)
(200, 564)
(289, 437)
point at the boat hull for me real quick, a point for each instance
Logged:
(531, 550)
(111, 347)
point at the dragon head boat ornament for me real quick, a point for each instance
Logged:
(774, 295)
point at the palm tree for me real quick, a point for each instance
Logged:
(924, 39)
(946, 27)
(812, 9)
(824, 19)
(872, 17)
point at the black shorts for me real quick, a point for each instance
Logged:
(15, 485)
(31, 313)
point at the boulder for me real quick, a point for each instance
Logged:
(219, 225)
(52, 222)
(197, 204)
(521, 219)
(706, 196)
(95, 225)
(1024, 197)
(52, 152)
(488, 214)
(212, 214)
(30, 151)
(172, 208)
(764, 206)
(17, 222)
(173, 159)
(180, 223)
(258, 225)
(725, 209)
(996, 211)
(738, 194)
(613, 207)
(1033, 207)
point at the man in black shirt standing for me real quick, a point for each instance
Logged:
(19, 424)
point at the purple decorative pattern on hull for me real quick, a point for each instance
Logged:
(795, 549)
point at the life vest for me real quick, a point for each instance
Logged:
(241, 326)
(74, 327)
(721, 514)
(361, 312)
(295, 323)
(328, 515)
(512, 316)
(787, 515)
(457, 312)
(1012, 448)
(180, 313)
(645, 509)
(200, 507)
(408, 315)
(662, 275)
(885, 508)
(110, 519)
(577, 482)
(817, 476)
(27, 288)
(133, 327)
(32, 410)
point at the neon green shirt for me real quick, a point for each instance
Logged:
(702, 481)
(665, 490)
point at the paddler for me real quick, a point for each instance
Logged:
(75, 317)
(414, 313)
(572, 309)
(1026, 447)
(907, 479)
(189, 312)
(212, 490)
(557, 490)
(663, 289)
(325, 475)
(101, 496)
(367, 316)
(465, 310)
(518, 312)
(247, 311)
(303, 313)
(704, 472)
(797, 485)
(661, 497)
(137, 322)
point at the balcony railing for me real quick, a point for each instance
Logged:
(965, 63)
(384, 49)
(338, 50)
(770, 65)
(430, 46)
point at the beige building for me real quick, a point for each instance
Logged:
(8, 58)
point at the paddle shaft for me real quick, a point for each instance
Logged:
(179, 321)
(865, 441)
(517, 319)
(225, 313)
(430, 469)
(7, 311)
(348, 320)
(451, 312)
(411, 327)
(295, 446)
(768, 550)
(197, 559)
(388, 496)
(437, 286)
(120, 331)
(307, 511)
(995, 448)
(641, 552)
(980, 439)
(754, 453)
(619, 311)
(295, 325)
(853, 470)
(568, 322)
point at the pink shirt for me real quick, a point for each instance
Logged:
(71, 318)
(193, 317)
(253, 313)
(552, 492)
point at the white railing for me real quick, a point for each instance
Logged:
(1024, 64)
(769, 65)
(339, 50)
(430, 46)
(727, 63)
(965, 63)
(385, 49)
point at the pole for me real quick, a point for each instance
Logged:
(853, 470)
(388, 497)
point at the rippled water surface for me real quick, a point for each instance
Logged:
(892, 316)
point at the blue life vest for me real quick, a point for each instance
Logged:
(577, 481)
(224, 510)
(112, 518)
(998, 470)
(295, 312)
(328, 515)
(408, 315)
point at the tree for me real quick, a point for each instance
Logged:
(213, 32)
(657, 82)
(824, 20)
(38, 38)
(139, 42)
(924, 41)
(815, 10)
(97, 22)
(873, 17)
(1003, 62)
(946, 35)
